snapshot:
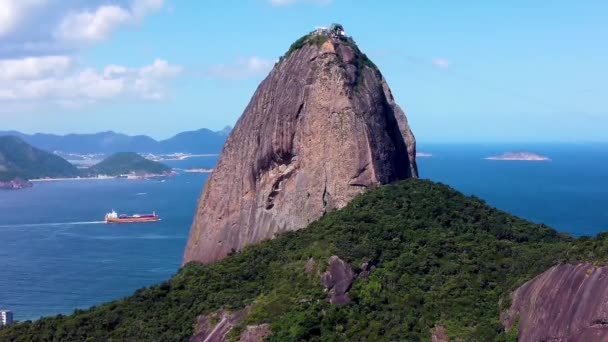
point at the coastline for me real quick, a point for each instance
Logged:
(179, 156)
(71, 179)
(126, 177)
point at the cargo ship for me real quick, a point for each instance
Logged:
(114, 217)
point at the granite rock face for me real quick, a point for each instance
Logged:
(338, 279)
(320, 129)
(565, 303)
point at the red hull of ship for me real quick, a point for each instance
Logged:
(133, 219)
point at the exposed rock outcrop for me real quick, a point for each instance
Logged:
(309, 267)
(565, 303)
(255, 333)
(438, 334)
(319, 130)
(366, 269)
(215, 327)
(338, 279)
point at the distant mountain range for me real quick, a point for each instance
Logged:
(200, 141)
(20, 162)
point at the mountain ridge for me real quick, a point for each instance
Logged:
(198, 141)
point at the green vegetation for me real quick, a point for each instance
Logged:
(362, 59)
(298, 44)
(127, 162)
(21, 160)
(441, 258)
(317, 40)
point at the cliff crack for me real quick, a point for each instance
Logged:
(325, 190)
(276, 186)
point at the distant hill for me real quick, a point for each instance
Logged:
(20, 160)
(200, 141)
(127, 162)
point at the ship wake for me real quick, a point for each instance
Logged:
(49, 224)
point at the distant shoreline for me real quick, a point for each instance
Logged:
(178, 156)
(72, 179)
(39, 180)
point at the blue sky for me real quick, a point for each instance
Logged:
(477, 72)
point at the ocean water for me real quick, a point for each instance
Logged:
(55, 256)
(568, 193)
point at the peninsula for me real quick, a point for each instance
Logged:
(20, 162)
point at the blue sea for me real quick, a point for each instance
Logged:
(56, 255)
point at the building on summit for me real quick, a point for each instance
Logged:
(6, 317)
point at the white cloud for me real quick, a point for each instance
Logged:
(242, 68)
(39, 44)
(141, 8)
(441, 63)
(33, 67)
(291, 2)
(91, 26)
(89, 85)
(160, 69)
(51, 27)
(12, 12)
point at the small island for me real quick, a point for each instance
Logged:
(129, 165)
(520, 156)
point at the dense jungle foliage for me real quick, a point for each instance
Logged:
(441, 258)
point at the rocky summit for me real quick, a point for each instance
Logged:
(320, 129)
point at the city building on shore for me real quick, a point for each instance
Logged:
(6, 317)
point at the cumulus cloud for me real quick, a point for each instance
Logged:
(141, 8)
(39, 45)
(12, 12)
(291, 2)
(441, 63)
(76, 86)
(33, 67)
(242, 68)
(96, 25)
(43, 27)
(92, 26)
